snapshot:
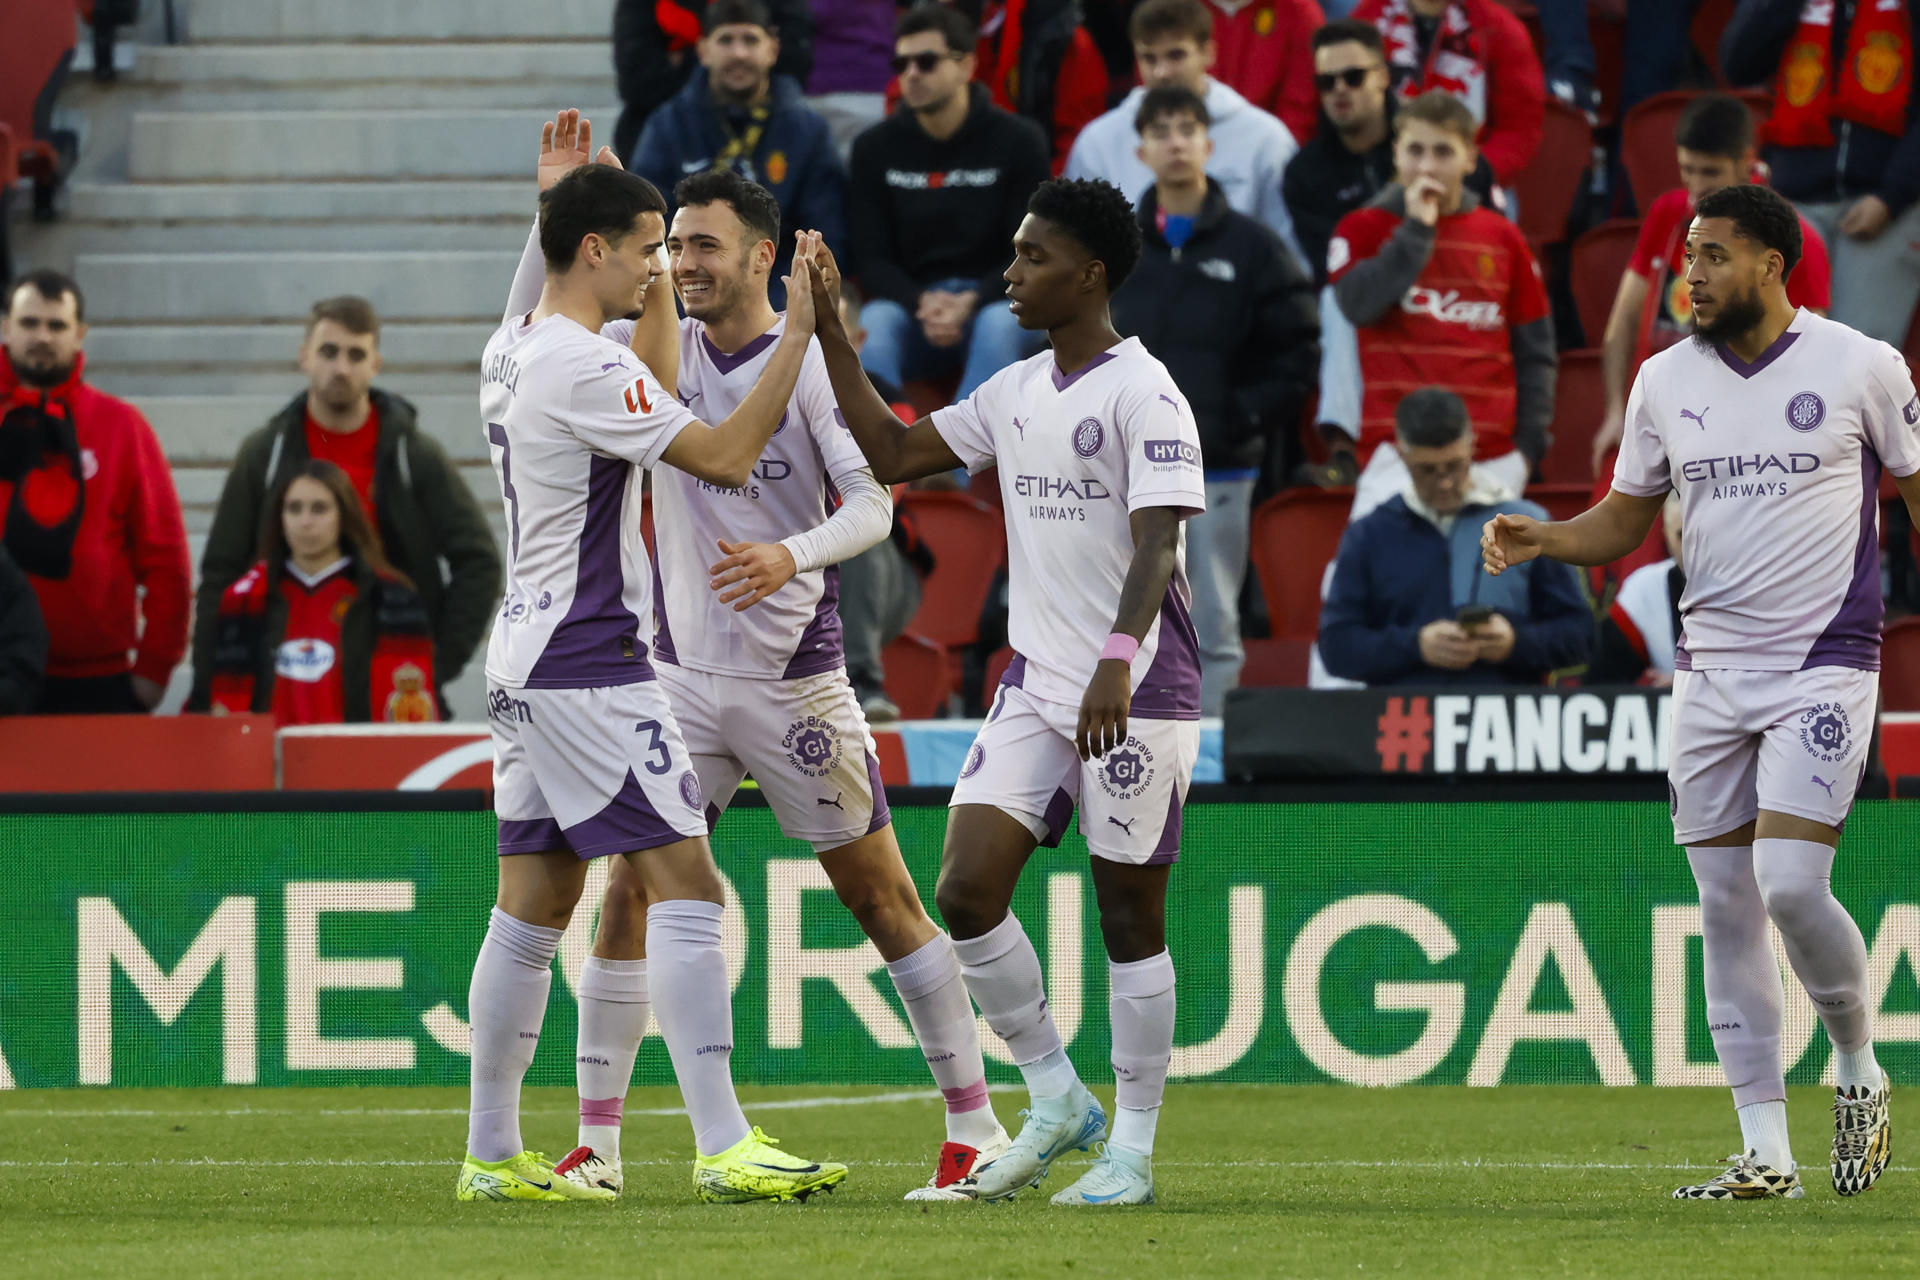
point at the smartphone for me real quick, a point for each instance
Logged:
(1473, 615)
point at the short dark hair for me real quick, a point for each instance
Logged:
(1350, 31)
(752, 203)
(1170, 101)
(955, 27)
(1431, 418)
(1095, 213)
(1758, 213)
(728, 13)
(1440, 109)
(1159, 19)
(595, 199)
(51, 285)
(354, 314)
(1715, 124)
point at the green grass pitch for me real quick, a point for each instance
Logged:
(1253, 1181)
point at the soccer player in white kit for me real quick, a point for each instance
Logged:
(1099, 463)
(588, 761)
(747, 648)
(1773, 425)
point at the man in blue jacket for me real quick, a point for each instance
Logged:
(1410, 603)
(735, 113)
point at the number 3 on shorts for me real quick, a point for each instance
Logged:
(656, 744)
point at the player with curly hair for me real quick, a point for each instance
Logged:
(1099, 464)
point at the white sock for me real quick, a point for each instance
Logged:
(1141, 1006)
(935, 996)
(1857, 1068)
(1133, 1129)
(1003, 977)
(1745, 998)
(613, 1020)
(1763, 1127)
(1823, 943)
(687, 974)
(506, 1002)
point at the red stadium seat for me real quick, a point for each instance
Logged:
(1594, 266)
(1295, 536)
(969, 544)
(1900, 666)
(1547, 186)
(1276, 664)
(1579, 402)
(1646, 139)
(1562, 501)
(919, 676)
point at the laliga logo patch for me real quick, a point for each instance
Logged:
(1806, 411)
(1128, 771)
(1824, 731)
(690, 790)
(812, 746)
(1088, 437)
(976, 756)
(307, 661)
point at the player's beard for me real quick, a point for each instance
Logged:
(723, 296)
(1739, 314)
(43, 373)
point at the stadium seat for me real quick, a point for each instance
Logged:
(920, 675)
(1562, 501)
(1646, 139)
(33, 64)
(1295, 536)
(969, 544)
(997, 665)
(1547, 186)
(1276, 664)
(1594, 266)
(1579, 402)
(1900, 666)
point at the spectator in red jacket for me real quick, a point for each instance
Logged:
(1478, 51)
(89, 512)
(1264, 51)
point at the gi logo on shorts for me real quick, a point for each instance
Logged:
(1128, 771)
(1088, 437)
(690, 789)
(976, 756)
(1824, 731)
(1806, 411)
(812, 746)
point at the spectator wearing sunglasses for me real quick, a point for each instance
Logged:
(937, 190)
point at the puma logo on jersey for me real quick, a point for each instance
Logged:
(1700, 417)
(636, 397)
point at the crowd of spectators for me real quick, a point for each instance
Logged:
(1332, 273)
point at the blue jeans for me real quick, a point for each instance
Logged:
(897, 350)
(1216, 567)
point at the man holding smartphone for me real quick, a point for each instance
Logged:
(1409, 602)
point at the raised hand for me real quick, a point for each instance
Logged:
(826, 279)
(802, 304)
(566, 143)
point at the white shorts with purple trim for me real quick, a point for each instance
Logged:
(594, 771)
(804, 740)
(1794, 742)
(1023, 761)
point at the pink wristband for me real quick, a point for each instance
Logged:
(1120, 646)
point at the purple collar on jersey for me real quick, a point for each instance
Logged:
(728, 363)
(1767, 357)
(1061, 381)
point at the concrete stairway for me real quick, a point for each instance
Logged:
(292, 150)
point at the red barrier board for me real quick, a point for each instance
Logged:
(136, 753)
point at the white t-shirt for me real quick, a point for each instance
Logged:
(796, 630)
(1777, 465)
(570, 420)
(1076, 455)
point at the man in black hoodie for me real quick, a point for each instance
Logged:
(1219, 300)
(937, 191)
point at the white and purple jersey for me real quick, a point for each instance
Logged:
(1076, 456)
(810, 460)
(1778, 465)
(570, 419)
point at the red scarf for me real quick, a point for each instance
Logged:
(1876, 75)
(1457, 61)
(679, 24)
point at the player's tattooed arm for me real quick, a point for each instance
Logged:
(1602, 534)
(896, 452)
(1109, 695)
